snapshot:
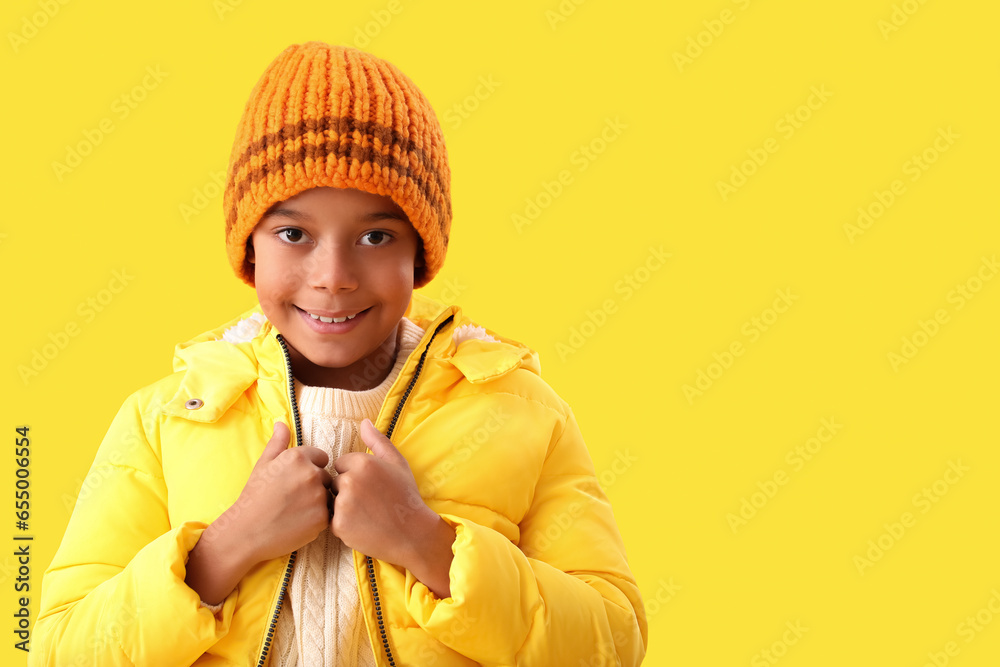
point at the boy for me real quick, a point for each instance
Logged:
(438, 505)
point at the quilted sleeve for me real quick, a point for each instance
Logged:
(565, 596)
(115, 594)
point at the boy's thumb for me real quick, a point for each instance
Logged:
(278, 442)
(376, 441)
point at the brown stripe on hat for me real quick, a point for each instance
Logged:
(430, 181)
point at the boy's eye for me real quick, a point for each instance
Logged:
(291, 235)
(375, 238)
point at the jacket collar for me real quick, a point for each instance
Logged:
(217, 371)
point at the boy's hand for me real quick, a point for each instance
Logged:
(284, 503)
(378, 511)
(282, 506)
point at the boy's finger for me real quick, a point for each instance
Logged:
(316, 456)
(345, 462)
(376, 441)
(327, 478)
(277, 444)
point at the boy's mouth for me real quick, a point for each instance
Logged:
(332, 319)
(325, 319)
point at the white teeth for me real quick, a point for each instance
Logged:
(332, 319)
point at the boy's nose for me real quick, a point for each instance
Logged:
(332, 268)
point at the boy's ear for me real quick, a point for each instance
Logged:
(418, 261)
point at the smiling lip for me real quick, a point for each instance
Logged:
(332, 327)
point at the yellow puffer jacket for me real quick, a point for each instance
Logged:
(539, 575)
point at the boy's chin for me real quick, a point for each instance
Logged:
(351, 371)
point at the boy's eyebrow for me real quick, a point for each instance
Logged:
(384, 215)
(286, 213)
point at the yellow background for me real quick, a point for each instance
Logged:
(561, 75)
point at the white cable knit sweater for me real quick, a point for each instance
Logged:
(319, 622)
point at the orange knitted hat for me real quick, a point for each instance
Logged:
(325, 115)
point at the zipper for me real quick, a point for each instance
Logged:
(291, 560)
(392, 427)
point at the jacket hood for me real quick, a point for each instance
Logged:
(234, 355)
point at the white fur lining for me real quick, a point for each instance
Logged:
(471, 331)
(245, 330)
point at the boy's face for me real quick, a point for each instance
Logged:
(333, 252)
